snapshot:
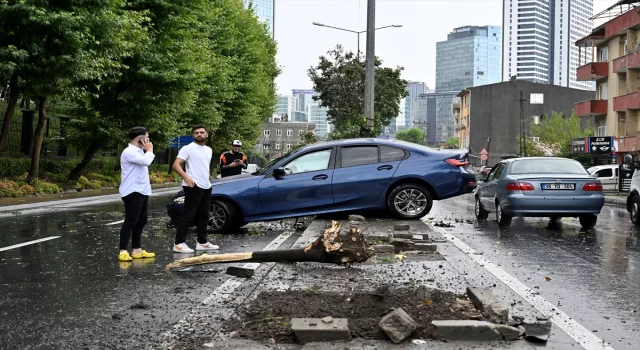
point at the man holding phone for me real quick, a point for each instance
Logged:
(196, 158)
(135, 189)
(232, 162)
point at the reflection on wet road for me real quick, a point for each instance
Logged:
(594, 276)
(72, 293)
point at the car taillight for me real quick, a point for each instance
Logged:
(520, 186)
(592, 187)
(456, 162)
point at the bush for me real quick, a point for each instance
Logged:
(158, 177)
(46, 187)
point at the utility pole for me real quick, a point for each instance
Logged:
(523, 131)
(371, 57)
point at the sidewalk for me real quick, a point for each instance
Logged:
(616, 200)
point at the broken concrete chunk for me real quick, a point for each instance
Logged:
(240, 271)
(517, 318)
(508, 333)
(354, 223)
(398, 325)
(403, 235)
(401, 227)
(484, 300)
(425, 247)
(310, 330)
(327, 319)
(384, 249)
(466, 330)
(425, 293)
(356, 218)
(537, 332)
(402, 245)
(420, 237)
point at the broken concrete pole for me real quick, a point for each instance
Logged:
(401, 227)
(240, 271)
(508, 333)
(466, 330)
(425, 247)
(484, 300)
(402, 245)
(403, 235)
(310, 330)
(398, 325)
(356, 218)
(383, 249)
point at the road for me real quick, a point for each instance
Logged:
(595, 276)
(72, 293)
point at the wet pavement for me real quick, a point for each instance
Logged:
(594, 276)
(72, 293)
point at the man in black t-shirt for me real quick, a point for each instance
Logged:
(232, 162)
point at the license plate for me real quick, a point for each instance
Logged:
(566, 187)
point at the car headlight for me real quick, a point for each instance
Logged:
(178, 200)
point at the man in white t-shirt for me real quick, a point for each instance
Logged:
(196, 158)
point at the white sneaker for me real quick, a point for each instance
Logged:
(207, 246)
(182, 248)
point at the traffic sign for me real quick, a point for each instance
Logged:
(483, 157)
(484, 152)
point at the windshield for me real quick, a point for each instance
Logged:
(267, 167)
(547, 166)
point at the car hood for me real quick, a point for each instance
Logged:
(224, 180)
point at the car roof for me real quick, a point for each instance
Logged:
(535, 158)
(371, 141)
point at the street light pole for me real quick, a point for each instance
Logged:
(371, 57)
(356, 32)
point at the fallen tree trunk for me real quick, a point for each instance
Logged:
(331, 247)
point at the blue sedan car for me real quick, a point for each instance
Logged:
(338, 176)
(539, 187)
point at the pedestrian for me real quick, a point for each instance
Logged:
(135, 189)
(232, 162)
(196, 158)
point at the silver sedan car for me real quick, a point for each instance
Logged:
(539, 187)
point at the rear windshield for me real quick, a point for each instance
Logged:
(547, 166)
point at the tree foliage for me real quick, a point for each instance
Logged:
(415, 135)
(555, 135)
(452, 142)
(339, 79)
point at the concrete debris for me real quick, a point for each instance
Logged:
(354, 223)
(425, 293)
(308, 330)
(398, 325)
(327, 319)
(508, 333)
(356, 218)
(537, 332)
(403, 235)
(425, 247)
(484, 300)
(517, 318)
(420, 237)
(466, 330)
(240, 271)
(384, 249)
(402, 245)
(401, 227)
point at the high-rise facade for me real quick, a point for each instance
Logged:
(282, 107)
(414, 90)
(469, 57)
(318, 117)
(539, 37)
(266, 11)
(300, 101)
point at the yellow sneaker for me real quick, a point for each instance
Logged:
(124, 256)
(144, 254)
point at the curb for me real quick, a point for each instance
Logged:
(616, 201)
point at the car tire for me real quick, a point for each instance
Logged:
(401, 194)
(481, 213)
(588, 221)
(502, 219)
(634, 211)
(223, 216)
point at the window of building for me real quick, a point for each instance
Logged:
(602, 91)
(277, 146)
(267, 132)
(602, 128)
(480, 73)
(536, 99)
(265, 146)
(278, 132)
(288, 146)
(289, 132)
(361, 155)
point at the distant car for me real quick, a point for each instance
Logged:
(251, 168)
(338, 176)
(607, 174)
(539, 187)
(633, 199)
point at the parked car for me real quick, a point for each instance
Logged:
(251, 168)
(337, 176)
(607, 174)
(539, 187)
(633, 199)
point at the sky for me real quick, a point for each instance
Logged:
(413, 46)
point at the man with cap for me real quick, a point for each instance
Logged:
(232, 162)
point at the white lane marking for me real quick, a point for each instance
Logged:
(28, 243)
(114, 223)
(575, 330)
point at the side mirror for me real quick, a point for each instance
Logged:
(279, 172)
(628, 159)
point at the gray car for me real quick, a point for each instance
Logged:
(539, 187)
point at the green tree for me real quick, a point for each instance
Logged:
(555, 135)
(452, 142)
(339, 80)
(415, 135)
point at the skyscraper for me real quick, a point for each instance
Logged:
(266, 11)
(539, 37)
(469, 57)
(414, 89)
(318, 116)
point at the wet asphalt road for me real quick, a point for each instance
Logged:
(595, 276)
(72, 293)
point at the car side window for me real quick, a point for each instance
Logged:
(358, 155)
(391, 154)
(604, 173)
(314, 161)
(496, 172)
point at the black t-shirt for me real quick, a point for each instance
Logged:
(229, 157)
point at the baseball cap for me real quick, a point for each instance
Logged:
(236, 143)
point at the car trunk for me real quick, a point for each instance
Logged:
(557, 185)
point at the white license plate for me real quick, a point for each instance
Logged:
(566, 187)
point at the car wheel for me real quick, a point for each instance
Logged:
(481, 214)
(222, 216)
(502, 219)
(635, 210)
(588, 221)
(409, 201)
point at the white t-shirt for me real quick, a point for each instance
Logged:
(134, 165)
(197, 162)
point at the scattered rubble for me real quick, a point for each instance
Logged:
(537, 332)
(443, 224)
(398, 325)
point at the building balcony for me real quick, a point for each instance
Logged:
(591, 108)
(593, 71)
(630, 61)
(624, 102)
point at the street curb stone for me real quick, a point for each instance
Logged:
(484, 300)
(466, 330)
(401, 244)
(403, 235)
(426, 247)
(398, 325)
(401, 227)
(309, 330)
(384, 249)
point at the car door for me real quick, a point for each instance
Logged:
(363, 173)
(305, 187)
(489, 190)
(607, 178)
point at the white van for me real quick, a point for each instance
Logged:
(607, 174)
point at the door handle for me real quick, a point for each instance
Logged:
(385, 167)
(320, 177)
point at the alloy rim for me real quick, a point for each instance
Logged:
(217, 217)
(477, 206)
(410, 202)
(634, 211)
(499, 213)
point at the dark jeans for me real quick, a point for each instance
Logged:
(196, 210)
(135, 218)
